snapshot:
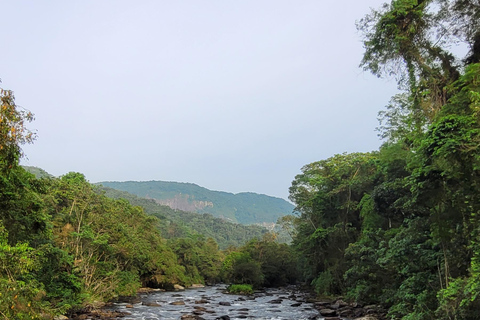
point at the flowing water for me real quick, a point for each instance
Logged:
(213, 303)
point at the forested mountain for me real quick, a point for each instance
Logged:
(245, 208)
(178, 224)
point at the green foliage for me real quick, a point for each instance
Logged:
(239, 267)
(115, 247)
(329, 194)
(19, 295)
(240, 289)
(262, 262)
(278, 261)
(13, 130)
(411, 238)
(200, 258)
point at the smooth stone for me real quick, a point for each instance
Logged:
(178, 287)
(199, 308)
(177, 303)
(328, 312)
(276, 301)
(203, 301)
(191, 317)
(223, 303)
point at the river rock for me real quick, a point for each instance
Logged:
(203, 301)
(60, 318)
(199, 308)
(191, 317)
(342, 303)
(276, 301)
(370, 317)
(371, 307)
(178, 287)
(224, 303)
(298, 304)
(223, 318)
(321, 303)
(178, 303)
(197, 285)
(151, 304)
(328, 312)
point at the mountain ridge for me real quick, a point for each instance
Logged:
(243, 207)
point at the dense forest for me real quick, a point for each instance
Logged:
(397, 227)
(401, 226)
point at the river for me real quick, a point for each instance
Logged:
(214, 303)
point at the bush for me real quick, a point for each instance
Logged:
(240, 289)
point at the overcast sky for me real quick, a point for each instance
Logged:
(231, 95)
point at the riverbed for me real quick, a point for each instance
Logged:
(213, 303)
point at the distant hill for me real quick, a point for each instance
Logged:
(181, 224)
(39, 173)
(244, 208)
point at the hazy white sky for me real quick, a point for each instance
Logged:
(231, 95)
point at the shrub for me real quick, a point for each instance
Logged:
(240, 289)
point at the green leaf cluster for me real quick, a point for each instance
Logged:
(261, 263)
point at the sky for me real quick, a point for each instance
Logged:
(234, 96)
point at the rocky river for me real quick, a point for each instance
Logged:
(214, 303)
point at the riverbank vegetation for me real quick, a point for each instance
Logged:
(400, 226)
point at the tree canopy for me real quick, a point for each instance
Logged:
(400, 226)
